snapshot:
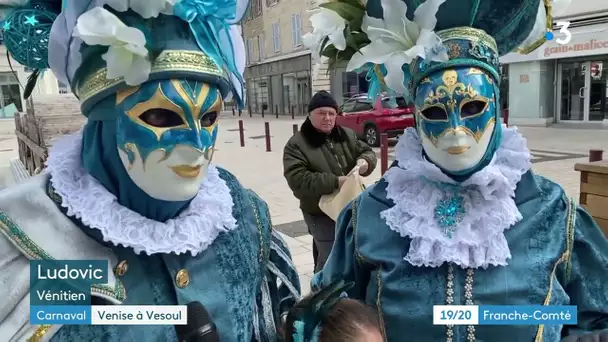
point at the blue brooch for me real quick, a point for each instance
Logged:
(449, 213)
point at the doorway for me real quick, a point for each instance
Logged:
(582, 90)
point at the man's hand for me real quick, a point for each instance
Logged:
(363, 166)
(342, 179)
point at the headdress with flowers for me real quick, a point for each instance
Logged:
(400, 42)
(98, 46)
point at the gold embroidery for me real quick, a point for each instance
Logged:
(470, 34)
(168, 61)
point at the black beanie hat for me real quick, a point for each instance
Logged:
(322, 99)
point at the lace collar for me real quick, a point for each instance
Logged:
(209, 213)
(455, 223)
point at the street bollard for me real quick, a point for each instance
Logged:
(383, 153)
(293, 112)
(267, 128)
(295, 129)
(242, 133)
(262, 112)
(596, 155)
(276, 111)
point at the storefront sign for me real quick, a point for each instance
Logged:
(579, 49)
(524, 78)
(284, 66)
(586, 41)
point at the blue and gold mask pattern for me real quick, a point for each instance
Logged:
(456, 113)
(166, 131)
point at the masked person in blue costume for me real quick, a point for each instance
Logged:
(136, 186)
(460, 218)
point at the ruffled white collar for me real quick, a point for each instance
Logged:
(208, 214)
(422, 195)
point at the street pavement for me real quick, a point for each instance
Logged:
(555, 150)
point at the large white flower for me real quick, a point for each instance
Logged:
(325, 23)
(145, 8)
(396, 41)
(127, 55)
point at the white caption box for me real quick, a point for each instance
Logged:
(455, 315)
(139, 315)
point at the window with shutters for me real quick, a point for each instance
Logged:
(296, 30)
(276, 38)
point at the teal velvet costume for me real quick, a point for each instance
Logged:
(228, 284)
(151, 78)
(460, 218)
(560, 257)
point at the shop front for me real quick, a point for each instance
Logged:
(344, 85)
(581, 89)
(283, 86)
(565, 83)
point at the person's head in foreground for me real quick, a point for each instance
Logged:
(328, 316)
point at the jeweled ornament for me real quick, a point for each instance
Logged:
(448, 213)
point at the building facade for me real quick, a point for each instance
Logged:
(563, 83)
(13, 77)
(278, 74)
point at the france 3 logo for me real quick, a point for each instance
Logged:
(564, 30)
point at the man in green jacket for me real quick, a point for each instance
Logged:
(316, 161)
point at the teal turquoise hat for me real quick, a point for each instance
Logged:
(406, 40)
(100, 46)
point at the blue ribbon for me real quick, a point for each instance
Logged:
(209, 23)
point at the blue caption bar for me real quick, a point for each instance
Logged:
(527, 314)
(60, 314)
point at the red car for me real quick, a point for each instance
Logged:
(369, 118)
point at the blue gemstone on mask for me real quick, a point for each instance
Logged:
(449, 213)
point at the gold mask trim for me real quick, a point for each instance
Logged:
(123, 93)
(450, 87)
(196, 105)
(158, 101)
(476, 135)
(169, 60)
(476, 98)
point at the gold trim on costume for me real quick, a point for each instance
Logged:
(169, 60)
(468, 33)
(39, 333)
(565, 258)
